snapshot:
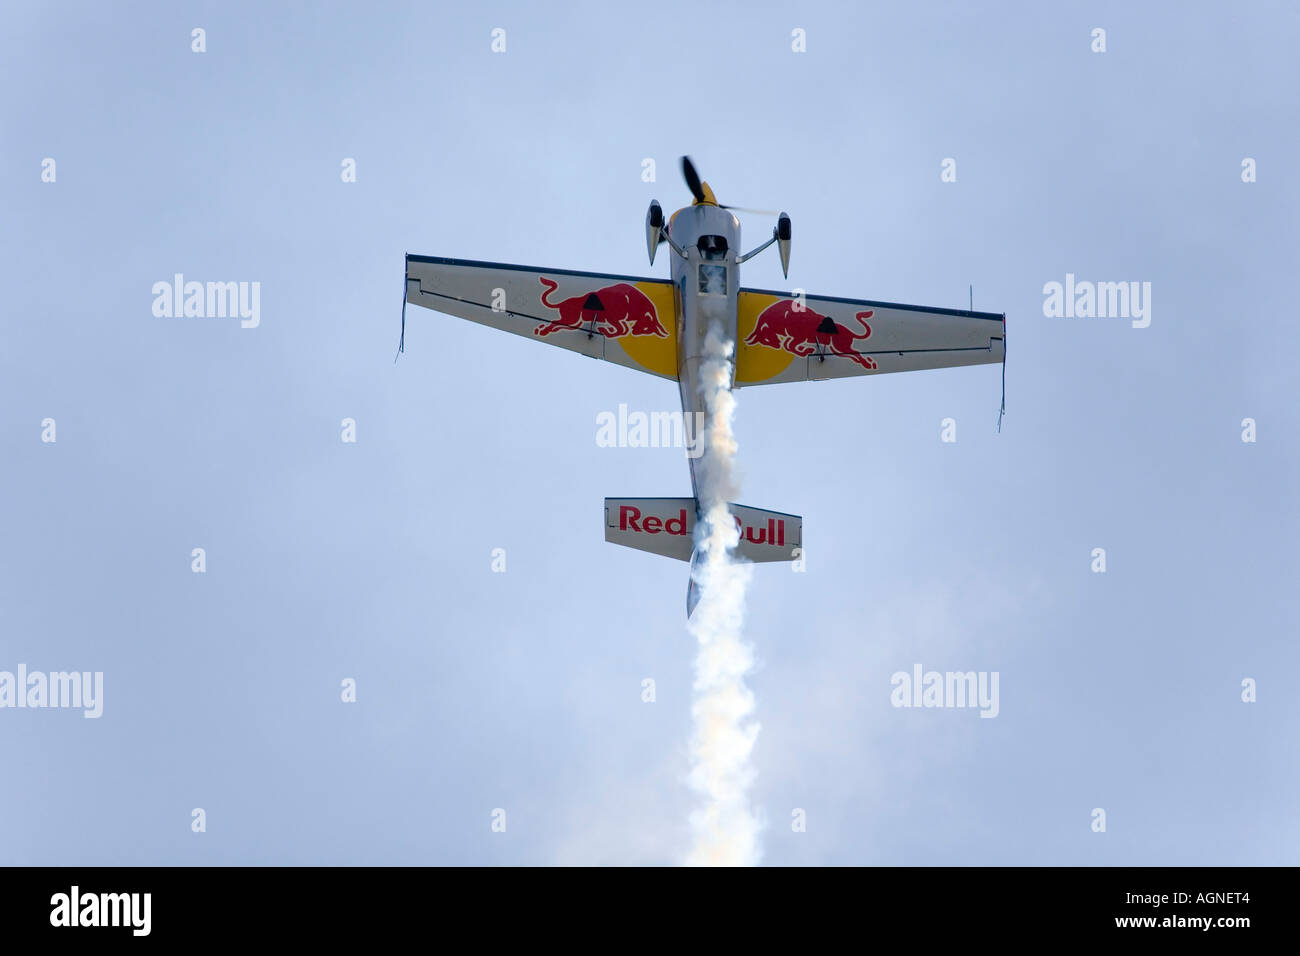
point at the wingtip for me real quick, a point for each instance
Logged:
(406, 277)
(692, 588)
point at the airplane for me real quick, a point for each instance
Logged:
(658, 326)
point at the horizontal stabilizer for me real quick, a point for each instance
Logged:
(666, 526)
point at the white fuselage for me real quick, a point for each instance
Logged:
(706, 284)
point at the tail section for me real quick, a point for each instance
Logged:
(693, 586)
(666, 526)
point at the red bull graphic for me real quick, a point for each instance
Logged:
(784, 325)
(630, 519)
(614, 311)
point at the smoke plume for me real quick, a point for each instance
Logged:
(725, 826)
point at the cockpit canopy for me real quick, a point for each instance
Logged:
(712, 247)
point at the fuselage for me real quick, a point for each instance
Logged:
(706, 284)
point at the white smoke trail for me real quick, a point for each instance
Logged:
(725, 826)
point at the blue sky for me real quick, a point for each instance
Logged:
(522, 690)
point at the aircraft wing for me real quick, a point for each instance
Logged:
(783, 339)
(620, 319)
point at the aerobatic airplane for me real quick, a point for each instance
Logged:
(658, 326)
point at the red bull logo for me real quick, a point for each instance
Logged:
(614, 311)
(773, 533)
(630, 519)
(787, 326)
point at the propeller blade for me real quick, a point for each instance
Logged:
(696, 187)
(692, 179)
(759, 212)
